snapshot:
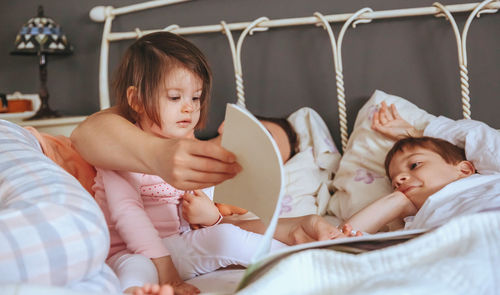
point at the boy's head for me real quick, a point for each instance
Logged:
(421, 166)
(145, 68)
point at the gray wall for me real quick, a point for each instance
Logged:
(284, 68)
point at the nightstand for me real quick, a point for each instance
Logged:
(54, 126)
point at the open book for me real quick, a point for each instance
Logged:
(259, 188)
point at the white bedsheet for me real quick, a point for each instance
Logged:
(460, 257)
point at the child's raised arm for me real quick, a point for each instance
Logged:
(379, 213)
(389, 123)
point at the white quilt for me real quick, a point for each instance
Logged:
(460, 257)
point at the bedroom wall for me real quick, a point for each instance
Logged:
(284, 68)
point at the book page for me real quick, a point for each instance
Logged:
(259, 186)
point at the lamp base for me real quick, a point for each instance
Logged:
(44, 113)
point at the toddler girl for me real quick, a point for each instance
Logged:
(163, 85)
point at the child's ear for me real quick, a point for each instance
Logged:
(466, 168)
(133, 99)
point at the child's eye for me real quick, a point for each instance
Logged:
(196, 98)
(414, 165)
(174, 98)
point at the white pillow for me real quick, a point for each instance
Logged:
(361, 178)
(308, 173)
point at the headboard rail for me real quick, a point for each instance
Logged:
(106, 14)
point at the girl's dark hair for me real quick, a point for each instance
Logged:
(287, 127)
(450, 153)
(145, 65)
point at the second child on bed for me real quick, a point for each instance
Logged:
(163, 85)
(448, 170)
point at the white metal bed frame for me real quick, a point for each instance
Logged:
(107, 14)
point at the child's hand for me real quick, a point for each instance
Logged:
(389, 123)
(309, 228)
(197, 208)
(228, 210)
(409, 205)
(348, 231)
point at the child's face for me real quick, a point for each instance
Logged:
(419, 173)
(179, 104)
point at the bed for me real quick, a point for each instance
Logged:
(367, 175)
(353, 176)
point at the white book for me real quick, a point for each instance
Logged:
(259, 186)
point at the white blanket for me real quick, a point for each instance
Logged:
(476, 193)
(461, 257)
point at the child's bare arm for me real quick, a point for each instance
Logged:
(373, 217)
(167, 274)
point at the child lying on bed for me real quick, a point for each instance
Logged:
(433, 172)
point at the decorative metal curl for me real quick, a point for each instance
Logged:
(237, 70)
(236, 54)
(252, 27)
(462, 48)
(337, 60)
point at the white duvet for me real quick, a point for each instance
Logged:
(461, 257)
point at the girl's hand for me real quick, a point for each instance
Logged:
(197, 208)
(389, 123)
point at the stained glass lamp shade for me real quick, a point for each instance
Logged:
(42, 36)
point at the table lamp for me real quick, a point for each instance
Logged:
(42, 36)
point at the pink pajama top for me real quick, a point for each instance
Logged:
(140, 211)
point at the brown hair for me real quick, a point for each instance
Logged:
(146, 63)
(287, 127)
(450, 153)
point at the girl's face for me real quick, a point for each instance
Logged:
(179, 102)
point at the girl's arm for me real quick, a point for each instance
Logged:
(108, 140)
(126, 210)
(379, 213)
